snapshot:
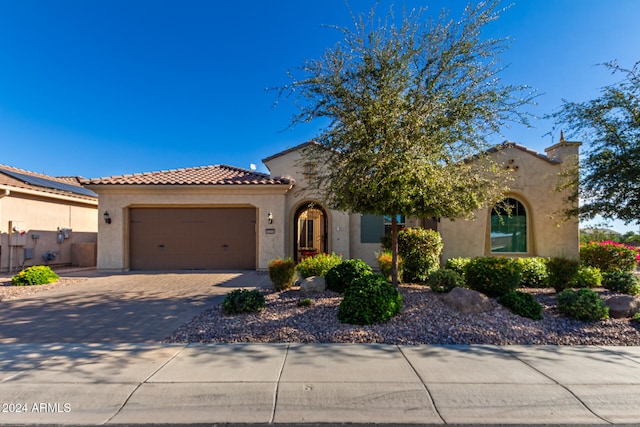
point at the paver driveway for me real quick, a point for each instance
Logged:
(118, 308)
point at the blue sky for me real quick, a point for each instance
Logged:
(99, 88)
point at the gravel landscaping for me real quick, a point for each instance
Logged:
(8, 291)
(425, 319)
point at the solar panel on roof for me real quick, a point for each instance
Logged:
(48, 183)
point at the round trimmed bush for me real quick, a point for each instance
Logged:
(341, 276)
(443, 280)
(459, 265)
(621, 281)
(522, 304)
(561, 272)
(243, 301)
(369, 299)
(420, 250)
(534, 272)
(282, 273)
(35, 275)
(583, 304)
(318, 265)
(493, 276)
(587, 277)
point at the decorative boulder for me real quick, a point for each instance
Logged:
(467, 301)
(622, 306)
(313, 284)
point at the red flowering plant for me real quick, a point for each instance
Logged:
(609, 256)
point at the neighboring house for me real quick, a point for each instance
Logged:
(45, 220)
(223, 217)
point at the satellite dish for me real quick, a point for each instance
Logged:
(252, 167)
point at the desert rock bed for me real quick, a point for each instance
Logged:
(8, 291)
(425, 319)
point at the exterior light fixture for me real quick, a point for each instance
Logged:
(106, 217)
(270, 217)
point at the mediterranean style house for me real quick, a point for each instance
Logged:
(227, 218)
(45, 220)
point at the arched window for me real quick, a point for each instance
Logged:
(509, 227)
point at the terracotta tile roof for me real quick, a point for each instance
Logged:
(495, 149)
(290, 150)
(509, 144)
(67, 185)
(202, 175)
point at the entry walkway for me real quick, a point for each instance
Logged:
(97, 384)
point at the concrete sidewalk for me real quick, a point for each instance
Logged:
(318, 383)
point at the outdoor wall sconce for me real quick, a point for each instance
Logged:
(107, 218)
(270, 217)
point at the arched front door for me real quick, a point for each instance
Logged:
(309, 231)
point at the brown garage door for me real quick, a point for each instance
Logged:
(197, 238)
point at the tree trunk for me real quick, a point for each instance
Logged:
(394, 250)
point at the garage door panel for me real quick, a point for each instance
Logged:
(199, 238)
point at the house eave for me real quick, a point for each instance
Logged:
(9, 189)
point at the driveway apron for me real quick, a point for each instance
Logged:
(118, 308)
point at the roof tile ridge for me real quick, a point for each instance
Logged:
(241, 169)
(28, 172)
(186, 168)
(288, 150)
(524, 148)
(75, 180)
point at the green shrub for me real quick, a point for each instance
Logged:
(522, 304)
(493, 276)
(369, 299)
(459, 265)
(282, 273)
(342, 275)
(318, 265)
(621, 281)
(443, 280)
(583, 304)
(384, 263)
(420, 251)
(534, 272)
(36, 275)
(305, 302)
(561, 272)
(608, 256)
(587, 277)
(636, 318)
(243, 301)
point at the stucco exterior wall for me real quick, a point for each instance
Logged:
(535, 180)
(338, 223)
(363, 251)
(534, 186)
(113, 240)
(40, 217)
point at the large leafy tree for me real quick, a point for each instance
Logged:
(410, 104)
(610, 128)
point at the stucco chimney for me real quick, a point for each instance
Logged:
(563, 150)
